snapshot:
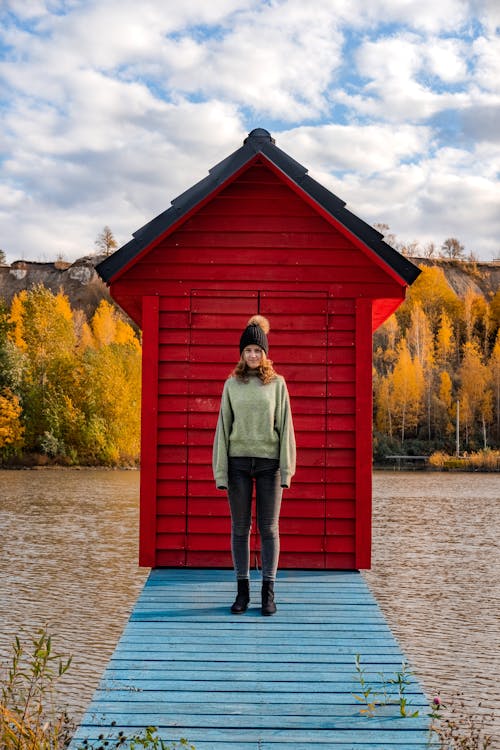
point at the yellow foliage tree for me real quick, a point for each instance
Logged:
(476, 317)
(125, 334)
(16, 319)
(445, 403)
(383, 404)
(112, 405)
(48, 341)
(103, 324)
(445, 341)
(494, 370)
(11, 428)
(407, 388)
(86, 338)
(434, 294)
(421, 345)
(108, 327)
(475, 393)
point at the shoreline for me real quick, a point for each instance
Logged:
(375, 467)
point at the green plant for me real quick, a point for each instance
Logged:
(373, 699)
(147, 738)
(401, 681)
(367, 697)
(29, 719)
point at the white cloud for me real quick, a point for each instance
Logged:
(446, 59)
(278, 60)
(399, 72)
(112, 108)
(455, 193)
(487, 69)
(488, 14)
(426, 16)
(365, 149)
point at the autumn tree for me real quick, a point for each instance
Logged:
(11, 427)
(452, 248)
(69, 388)
(429, 250)
(454, 340)
(421, 345)
(42, 328)
(445, 342)
(494, 309)
(384, 405)
(10, 357)
(105, 241)
(108, 326)
(474, 393)
(443, 406)
(476, 319)
(112, 406)
(16, 320)
(384, 345)
(494, 369)
(435, 296)
(105, 406)
(406, 387)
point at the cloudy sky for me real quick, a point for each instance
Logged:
(111, 108)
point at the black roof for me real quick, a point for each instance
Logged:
(259, 141)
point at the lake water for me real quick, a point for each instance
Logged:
(68, 559)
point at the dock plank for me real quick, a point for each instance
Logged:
(185, 665)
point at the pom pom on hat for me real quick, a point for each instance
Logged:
(256, 333)
(261, 321)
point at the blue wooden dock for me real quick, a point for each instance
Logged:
(185, 665)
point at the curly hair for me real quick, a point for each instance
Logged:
(265, 371)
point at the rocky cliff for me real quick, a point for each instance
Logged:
(79, 281)
(481, 278)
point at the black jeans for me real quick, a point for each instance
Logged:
(266, 474)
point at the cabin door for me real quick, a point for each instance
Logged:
(298, 346)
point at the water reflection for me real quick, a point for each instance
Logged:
(69, 558)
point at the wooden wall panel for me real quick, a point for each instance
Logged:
(258, 247)
(363, 433)
(213, 312)
(149, 417)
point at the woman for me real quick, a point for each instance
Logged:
(254, 443)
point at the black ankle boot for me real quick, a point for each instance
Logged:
(242, 598)
(268, 605)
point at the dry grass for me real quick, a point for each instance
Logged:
(486, 460)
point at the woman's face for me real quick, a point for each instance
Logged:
(253, 356)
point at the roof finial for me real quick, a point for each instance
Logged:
(259, 134)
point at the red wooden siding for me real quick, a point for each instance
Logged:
(257, 247)
(150, 315)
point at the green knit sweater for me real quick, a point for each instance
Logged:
(254, 421)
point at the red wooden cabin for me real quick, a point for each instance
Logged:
(257, 235)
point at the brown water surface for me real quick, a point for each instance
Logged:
(436, 574)
(68, 558)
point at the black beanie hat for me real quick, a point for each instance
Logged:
(255, 333)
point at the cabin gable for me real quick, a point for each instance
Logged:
(257, 236)
(249, 229)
